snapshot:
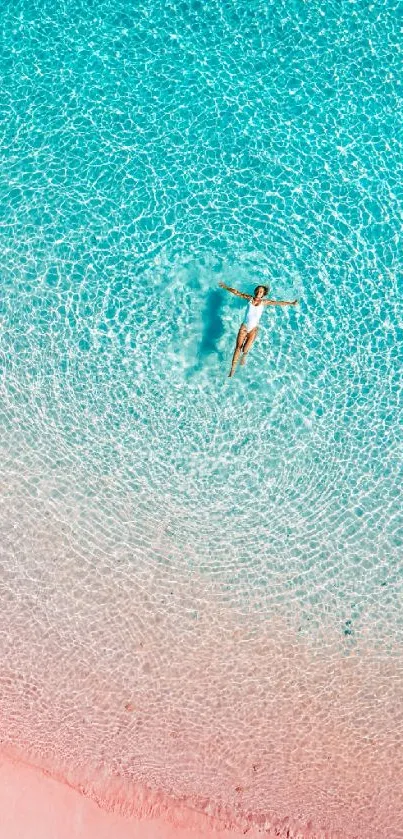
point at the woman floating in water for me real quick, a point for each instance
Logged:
(249, 328)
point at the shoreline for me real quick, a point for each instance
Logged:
(36, 805)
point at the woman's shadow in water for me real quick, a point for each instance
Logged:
(213, 330)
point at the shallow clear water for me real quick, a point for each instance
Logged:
(148, 154)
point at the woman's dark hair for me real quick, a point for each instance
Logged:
(265, 290)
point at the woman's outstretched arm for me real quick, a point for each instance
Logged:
(279, 302)
(234, 291)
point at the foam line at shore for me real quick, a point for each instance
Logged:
(34, 805)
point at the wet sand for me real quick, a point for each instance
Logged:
(35, 806)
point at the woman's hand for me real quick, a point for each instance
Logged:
(235, 291)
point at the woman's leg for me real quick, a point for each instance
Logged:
(242, 336)
(248, 343)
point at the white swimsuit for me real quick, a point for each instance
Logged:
(252, 316)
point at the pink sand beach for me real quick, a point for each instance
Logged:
(158, 707)
(35, 806)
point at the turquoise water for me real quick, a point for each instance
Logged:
(147, 154)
